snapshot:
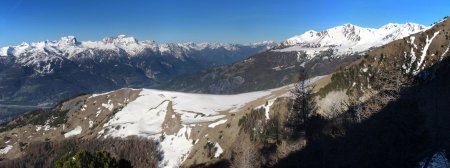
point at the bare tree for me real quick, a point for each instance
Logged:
(247, 154)
(391, 81)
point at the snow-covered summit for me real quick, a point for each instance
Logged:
(120, 40)
(68, 41)
(348, 38)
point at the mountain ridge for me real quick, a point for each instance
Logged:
(348, 38)
(71, 46)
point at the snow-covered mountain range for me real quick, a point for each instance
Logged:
(47, 71)
(348, 39)
(69, 47)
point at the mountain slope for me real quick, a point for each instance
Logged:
(182, 123)
(402, 59)
(389, 108)
(318, 52)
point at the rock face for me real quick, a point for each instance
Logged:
(45, 72)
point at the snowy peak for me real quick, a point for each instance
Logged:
(349, 32)
(68, 41)
(348, 39)
(5, 51)
(390, 26)
(120, 40)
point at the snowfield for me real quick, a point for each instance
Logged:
(145, 116)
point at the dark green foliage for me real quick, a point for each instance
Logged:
(349, 77)
(85, 159)
(303, 106)
(339, 81)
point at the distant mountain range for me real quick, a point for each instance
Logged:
(319, 53)
(43, 52)
(48, 71)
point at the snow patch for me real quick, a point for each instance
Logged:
(176, 147)
(77, 130)
(219, 150)
(38, 128)
(266, 107)
(6, 149)
(109, 105)
(98, 113)
(424, 52)
(217, 123)
(91, 123)
(365, 69)
(445, 52)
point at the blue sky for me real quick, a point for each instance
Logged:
(230, 21)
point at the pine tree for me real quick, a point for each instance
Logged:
(303, 105)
